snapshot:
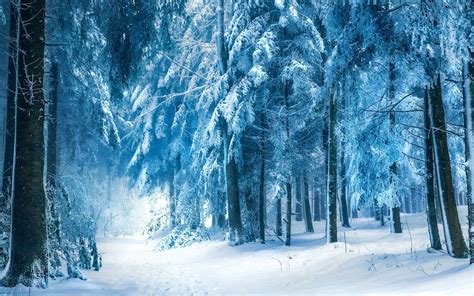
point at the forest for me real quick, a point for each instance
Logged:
(183, 147)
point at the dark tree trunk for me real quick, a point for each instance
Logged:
(377, 211)
(331, 220)
(288, 214)
(278, 225)
(317, 205)
(325, 136)
(51, 165)
(9, 140)
(344, 209)
(8, 157)
(430, 182)
(218, 217)
(453, 234)
(288, 182)
(395, 220)
(306, 206)
(29, 251)
(261, 201)
(468, 94)
(230, 164)
(298, 206)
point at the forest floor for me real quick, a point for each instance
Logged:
(372, 262)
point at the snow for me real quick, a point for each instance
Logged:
(376, 262)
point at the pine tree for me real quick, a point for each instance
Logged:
(331, 219)
(29, 251)
(430, 179)
(452, 229)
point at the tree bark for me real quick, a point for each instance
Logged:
(430, 182)
(288, 181)
(261, 201)
(316, 205)
(278, 225)
(288, 214)
(306, 205)
(230, 164)
(8, 157)
(298, 206)
(395, 221)
(468, 93)
(51, 156)
(344, 209)
(453, 234)
(29, 251)
(331, 220)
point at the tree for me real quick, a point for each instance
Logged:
(331, 219)
(430, 178)
(306, 205)
(452, 229)
(10, 122)
(29, 251)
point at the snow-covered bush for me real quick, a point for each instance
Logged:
(182, 236)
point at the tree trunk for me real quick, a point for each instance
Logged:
(51, 164)
(344, 210)
(430, 182)
(230, 164)
(279, 226)
(377, 211)
(9, 140)
(453, 234)
(172, 200)
(331, 220)
(288, 181)
(298, 206)
(316, 205)
(261, 201)
(29, 250)
(468, 93)
(8, 157)
(288, 214)
(395, 221)
(306, 205)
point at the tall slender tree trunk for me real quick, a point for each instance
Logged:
(52, 151)
(395, 221)
(430, 182)
(331, 220)
(233, 196)
(306, 205)
(453, 234)
(316, 205)
(8, 157)
(468, 93)
(172, 200)
(344, 209)
(325, 137)
(288, 181)
(377, 211)
(261, 201)
(288, 214)
(9, 140)
(230, 164)
(278, 224)
(29, 251)
(298, 206)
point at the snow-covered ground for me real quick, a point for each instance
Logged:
(373, 262)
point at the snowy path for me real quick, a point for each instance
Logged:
(376, 263)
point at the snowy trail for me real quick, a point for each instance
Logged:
(376, 262)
